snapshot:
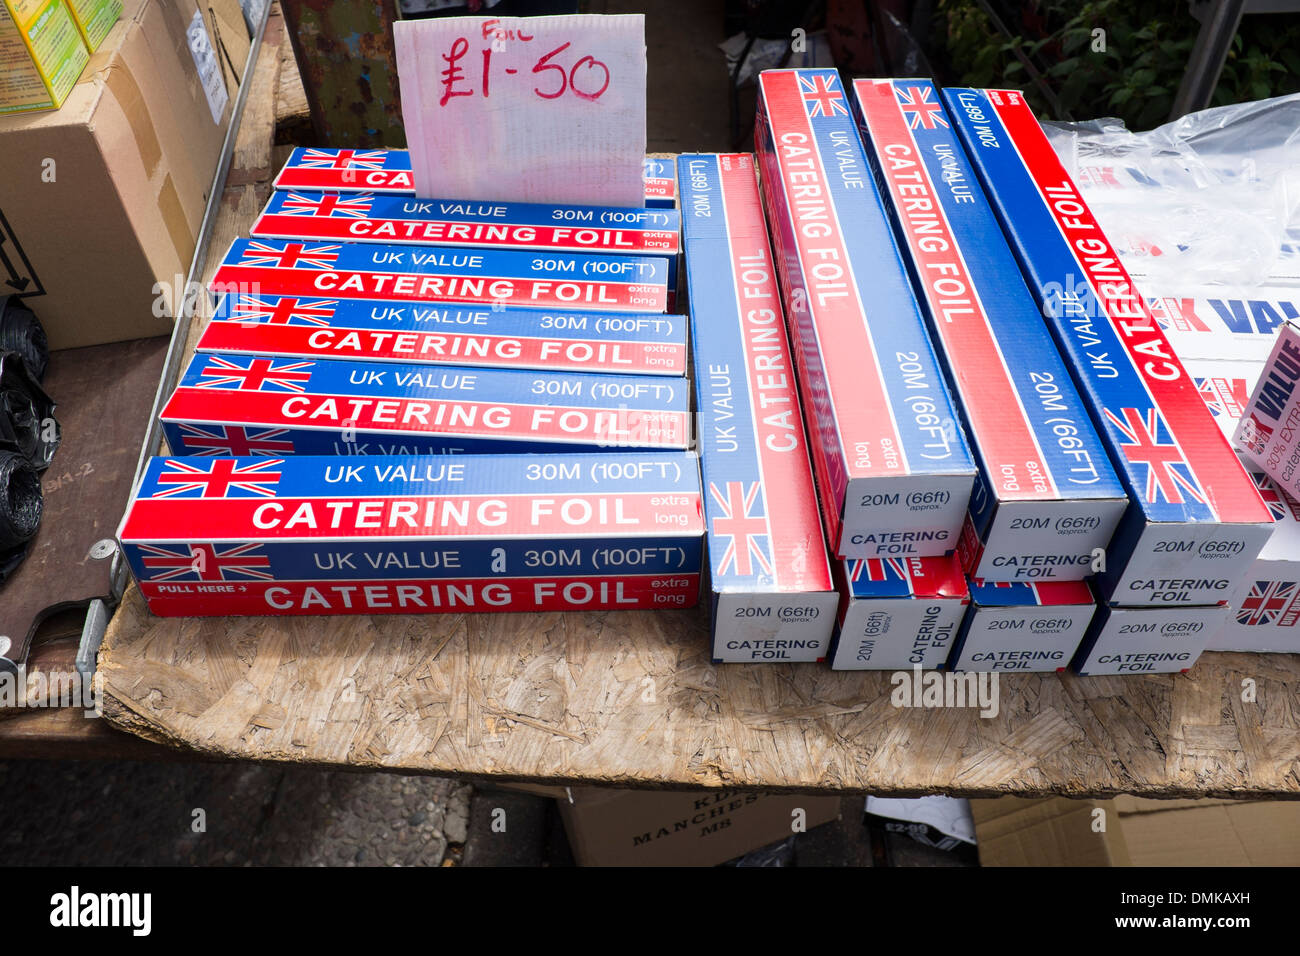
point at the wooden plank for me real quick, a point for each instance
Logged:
(291, 108)
(66, 733)
(251, 161)
(631, 699)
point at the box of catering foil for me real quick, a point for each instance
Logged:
(259, 404)
(1195, 522)
(1226, 325)
(893, 468)
(510, 277)
(1020, 627)
(660, 183)
(898, 613)
(389, 171)
(1266, 608)
(445, 222)
(207, 536)
(376, 330)
(1225, 387)
(772, 594)
(1047, 498)
(1269, 431)
(1148, 640)
(607, 230)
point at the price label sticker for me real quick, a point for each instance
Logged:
(525, 109)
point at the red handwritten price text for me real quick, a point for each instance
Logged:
(558, 72)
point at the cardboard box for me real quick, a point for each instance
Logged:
(609, 827)
(355, 408)
(1021, 628)
(415, 535)
(442, 222)
(1012, 831)
(1195, 514)
(1224, 324)
(1046, 498)
(102, 200)
(1225, 387)
(507, 277)
(230, 39)
(892, 465)
(385, 331)
(410, 221)
(1266, 608)
(898, 613)
(389, 171)
(1269, 431)
(1148, 640)
(41, 54)
(772, 595)
(94, 18)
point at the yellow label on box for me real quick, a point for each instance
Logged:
(94, 18)
(41, 54)
(24, 11)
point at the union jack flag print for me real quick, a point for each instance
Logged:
(258, 374)
(281, 309)
(1279, 504)
(879, 569)
(1146, 441)
(744, 528)
(224, 478)
(921, 111)
(206, 562)
(234, 441)
(1267, 599)
(821, 96)
(326, 204)
(1223, 395)
(344, 159)
(289, 255)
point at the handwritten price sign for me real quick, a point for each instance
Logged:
(525, 109)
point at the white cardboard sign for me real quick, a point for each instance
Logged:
(525, 109)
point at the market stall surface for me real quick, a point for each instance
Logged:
(631, 698)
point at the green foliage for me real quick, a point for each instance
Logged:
(1147, 44)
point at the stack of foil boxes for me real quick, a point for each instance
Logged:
(407, 405)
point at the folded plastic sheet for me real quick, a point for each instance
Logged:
(1214, 195)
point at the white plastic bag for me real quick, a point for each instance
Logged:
(1209, 199)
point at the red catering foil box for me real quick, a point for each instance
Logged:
(389, 171)
(267, 404)
(507, 278)
(386, 535)
(899, 613)
(377, 330)
(772, 594)
(1018, 627)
